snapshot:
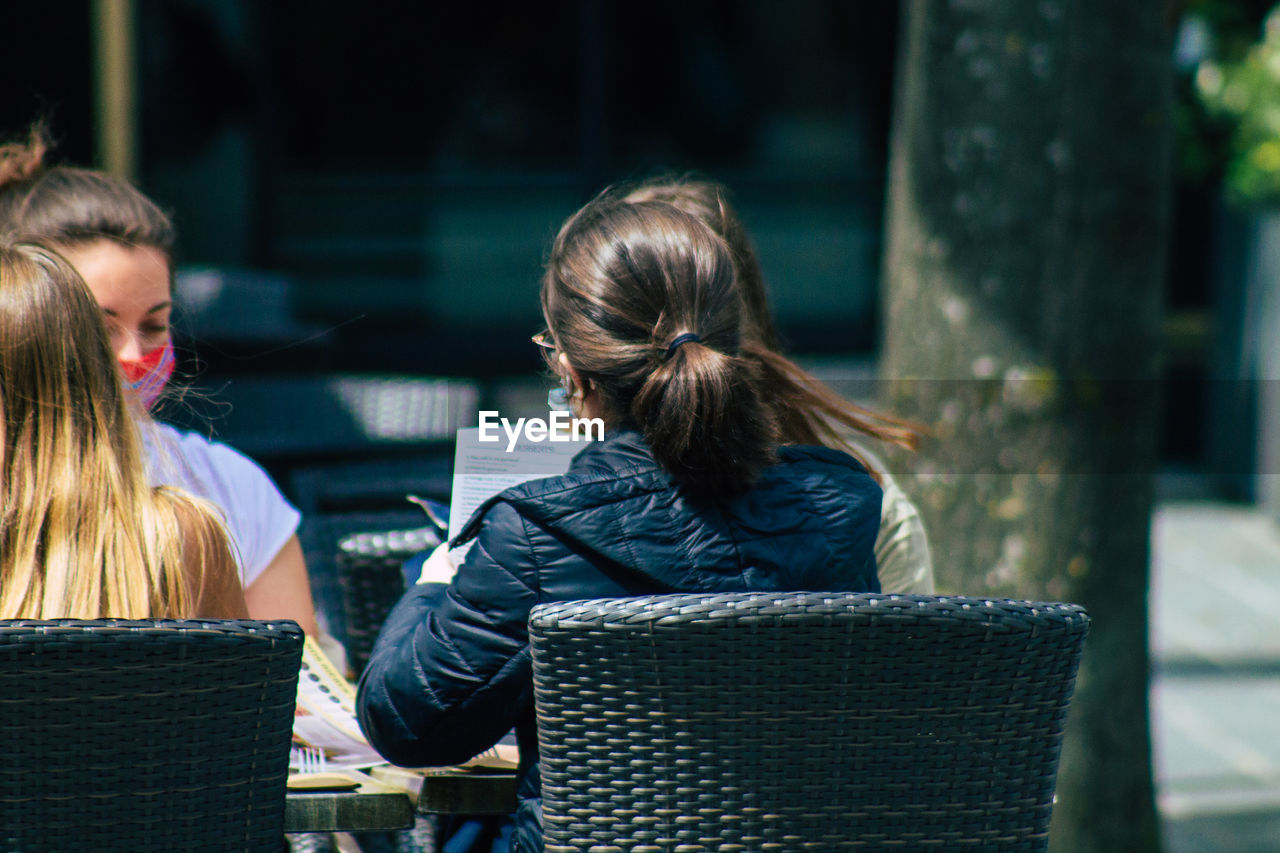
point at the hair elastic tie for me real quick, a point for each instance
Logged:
(687, 337)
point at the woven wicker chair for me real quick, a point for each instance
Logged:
(370, 576)
(790, 721)
(154, 735)
(321, 535)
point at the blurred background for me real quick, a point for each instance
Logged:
(401, 169)
(380, 185)
(372, 189)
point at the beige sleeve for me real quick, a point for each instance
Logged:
(902, 549)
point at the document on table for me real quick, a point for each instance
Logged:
(326, 713)
(482, 469)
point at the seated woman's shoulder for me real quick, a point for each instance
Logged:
(819, 459)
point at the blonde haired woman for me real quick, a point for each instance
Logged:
(82, 533)
(122, 244)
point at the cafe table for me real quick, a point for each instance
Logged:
(367, 807)
(470, 790)
(386, 798)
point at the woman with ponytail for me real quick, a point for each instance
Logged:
(807, 411)
(83, 534)
(690, 490)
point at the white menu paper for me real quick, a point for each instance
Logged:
(326, 713)
(482, 469)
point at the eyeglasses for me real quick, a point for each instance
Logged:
(544, 340)
(546, 346)
(557, 397)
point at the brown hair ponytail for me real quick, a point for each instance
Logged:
(644, 301)
(807, 411)
(20, 161)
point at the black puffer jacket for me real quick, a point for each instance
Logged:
(450, 673)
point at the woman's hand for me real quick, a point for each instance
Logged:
(439, 567)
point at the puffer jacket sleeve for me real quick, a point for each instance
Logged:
(450, 672)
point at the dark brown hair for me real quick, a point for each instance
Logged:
(709, 203)
(623, 282)
(807, 411)
(65, 206)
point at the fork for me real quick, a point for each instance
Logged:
(308, 759)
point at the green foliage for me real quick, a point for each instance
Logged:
(1237, 88)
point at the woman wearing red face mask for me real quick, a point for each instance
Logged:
(85, 535)
(121, 243)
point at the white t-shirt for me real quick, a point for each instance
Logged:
(258, 518)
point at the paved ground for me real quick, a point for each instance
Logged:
(1215, 600)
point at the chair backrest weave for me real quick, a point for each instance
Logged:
(145, 735)
(370, 574)
(320, 536)
(789, 721)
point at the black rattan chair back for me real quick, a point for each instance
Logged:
(371, 578)
(789, 721)
(321, 536)
(154, 735)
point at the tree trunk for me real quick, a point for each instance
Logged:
(1027, 213)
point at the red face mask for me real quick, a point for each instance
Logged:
(148, 375)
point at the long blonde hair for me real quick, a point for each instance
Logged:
(82, 533)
